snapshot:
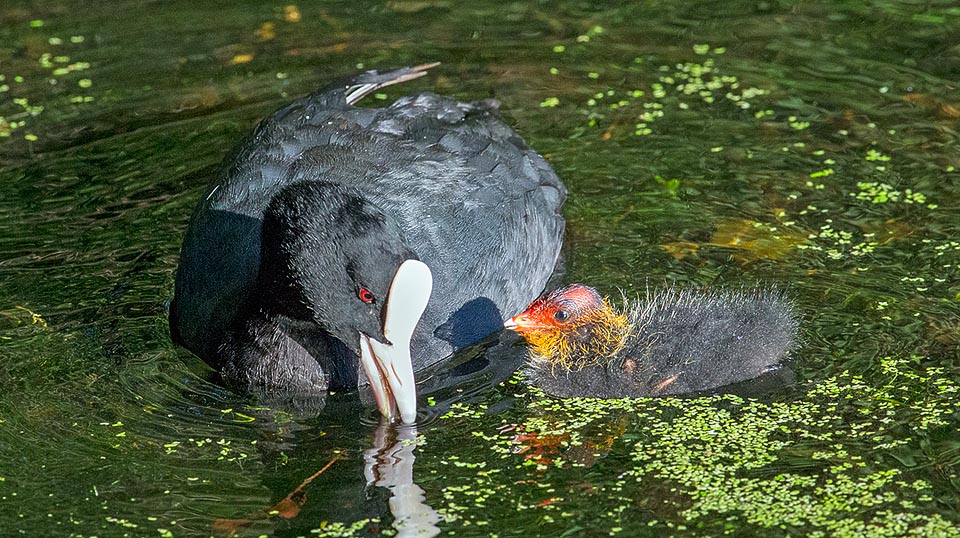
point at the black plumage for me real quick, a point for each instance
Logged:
(670, 342)
(325, 198)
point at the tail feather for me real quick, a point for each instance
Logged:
(357, 87)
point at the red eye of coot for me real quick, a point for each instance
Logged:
(365, 295)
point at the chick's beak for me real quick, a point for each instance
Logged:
(524, 322)
(388, 365)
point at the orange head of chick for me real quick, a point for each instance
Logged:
(572, 327)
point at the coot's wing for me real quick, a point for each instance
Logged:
(489, 223)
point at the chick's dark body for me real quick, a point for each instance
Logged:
(681, 341)
(449, 182)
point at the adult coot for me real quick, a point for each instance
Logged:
(313, 249)
(671, 343)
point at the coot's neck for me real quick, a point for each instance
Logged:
(596, 338)
(267, 348)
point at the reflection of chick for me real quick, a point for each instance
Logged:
(674, 342)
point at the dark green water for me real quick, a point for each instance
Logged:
(810, 146)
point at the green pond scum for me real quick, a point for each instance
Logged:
(807, 146)
(835, 460)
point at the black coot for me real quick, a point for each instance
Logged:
(313, 249)
(672, 342)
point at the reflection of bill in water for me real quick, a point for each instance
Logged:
(389, 464)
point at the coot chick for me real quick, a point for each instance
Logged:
(672, 342)
(314, 249)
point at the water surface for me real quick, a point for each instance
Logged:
(804, 145)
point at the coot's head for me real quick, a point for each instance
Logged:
(571, 327)
(332, 258)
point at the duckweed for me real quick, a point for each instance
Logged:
(826, 461)
(51, 64)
